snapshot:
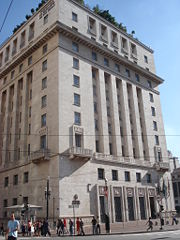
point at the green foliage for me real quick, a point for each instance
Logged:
(80, 1)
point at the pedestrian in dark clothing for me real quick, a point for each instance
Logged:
(60, 227)
(93, 225)
(46, 229)
(98, 228)
(150, 224)
(107, 224)
(71, 227)
(174, 220)
(2, 229)
(81, 227)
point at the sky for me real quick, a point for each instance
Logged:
(156, 23)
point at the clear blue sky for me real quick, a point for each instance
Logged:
(157, 24)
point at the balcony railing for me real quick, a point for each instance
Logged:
(78, 152)
(162, 166)
(40, 156)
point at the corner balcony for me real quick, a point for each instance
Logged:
(79, 153)
(39, 156)
(162, 166)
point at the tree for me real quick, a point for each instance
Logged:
(80, 1)
(32, 10)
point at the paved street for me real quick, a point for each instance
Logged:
(141, 236)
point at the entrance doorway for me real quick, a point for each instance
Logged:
(152, 207)
(131, 208)
(118, 209)
(142, 208)
(102, 208)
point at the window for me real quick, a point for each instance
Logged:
(5, 203)
(29, 129)
(92, 26)
(100, 173)
(44, 83)
(20, 68)
(44, 66)
(94, 73)
(14, 48)
(45, 19)
(127, 176)
(6, 181)
(109, 129)
(75, 63)
(44, 49)
(148, 178)
(76, 80)
(97, 146)
(104, 35)
(154, 125)
(145, 59)
(114, 175)
(25, 200)
(94, 56)
(30, 60)
(137, 77)
(78, 140)
(1, 59)
(153, 111)
(23, 36)
(106, 62)
(14, 201)
(75, 47)
(74, 17)
(124, 45)
(94, 90)
(133, 50)
(43, 142)
(117, 67)
(44, 101)
(159, 156)
(43, 120)
(30, 94)
(29, 112)
(110, 149)
(5, 80)
(76, 99)
(31, 32)
(114, 39)
(138, 177)
(15, 179)
(151, 98)
(96, 124)
(149, 84)
(26, 177)
(127, 72)
(29, 149)
(156, 140)
(77, 118)
(108, 111)
(95, 107)
(12, 74)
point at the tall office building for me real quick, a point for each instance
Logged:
(80, 106)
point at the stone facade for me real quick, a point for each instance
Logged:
(79, 102)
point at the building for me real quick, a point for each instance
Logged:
(80, 103)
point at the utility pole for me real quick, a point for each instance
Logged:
(47, 196)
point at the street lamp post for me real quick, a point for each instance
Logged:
(107, 217)
(47, 197)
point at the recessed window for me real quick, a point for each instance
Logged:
(5, 80)
(103, 33)
(97, 146)
(78, 140)
(101, 173)
(94, 90)
(74, 17)
(149, 83)
(75, 63)
(114, 175)
(153, 111)
(31, 32)
(14, 48)
(1, 58)
(5, 203)
(44, 83)
(96, 124)
(75, 47)
(155, 126)
(23, 37)
(76, 99)
(29, 112)
(15, 179)
(14, 201)
(92, 26)
(117, 67)
(44, 66)
(109, 129)
(20, 67)
(6, 181)
(127, 72)
(127, 176)
(95, 107)
(106, 62)
(44, 49)
(133, 50)
(124, 45)
(76, 80)
(94, 56)
(148, 178)
(138, 177)
(137, 77)
(26, 177)
(114, 38)
(156, 140)
(44, 101)
(30, 60)
(43, 120)
(12, 74)
(29, 149)
(145, 59)
(43, 142)
(46, 19)
(151, 98)
(77, 118)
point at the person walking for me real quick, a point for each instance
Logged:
(82, 227)
(2, 229)
(150, 224)
(98, 228)
(70, 227)
(94, 225)
(12, 228)
(78, 226)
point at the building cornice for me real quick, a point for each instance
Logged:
(69, 32)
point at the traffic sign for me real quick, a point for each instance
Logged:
(75, 202)
(74, 206)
